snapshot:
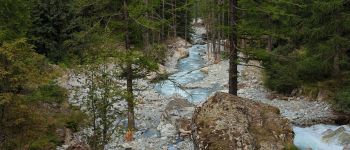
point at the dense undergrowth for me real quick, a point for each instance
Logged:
(313, 76)
(32, 106)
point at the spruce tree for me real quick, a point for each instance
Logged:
(14, 19)
(233, 55)
(51, 27)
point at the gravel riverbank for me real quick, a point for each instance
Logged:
(157, 125)
(298, 110)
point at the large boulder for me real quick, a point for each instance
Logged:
(225, 121)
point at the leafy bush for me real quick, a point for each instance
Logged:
(32, 107)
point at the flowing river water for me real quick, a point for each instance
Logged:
(188, 72)
(317, 137)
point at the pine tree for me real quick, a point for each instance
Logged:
(233, 72)
(328, 34)
(51, 27)
(14, 19)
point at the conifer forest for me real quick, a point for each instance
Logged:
(174, 74)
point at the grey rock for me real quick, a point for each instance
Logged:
(225, 121)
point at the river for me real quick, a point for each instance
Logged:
(188, 72)
(317, 137)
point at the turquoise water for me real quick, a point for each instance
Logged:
(313, 137)
(188, 72)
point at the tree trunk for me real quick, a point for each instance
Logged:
(186, 18)
(219, 33)
(214, 47)
(2, 121)
(129, 89)
(163, 17)
(336, 64)
(208, 43)
(146, 34)
(94, 111)
(269, 43)
(233, 72)
(196, 12)
(130, 100)
(242, 43)
(174, 18)
(105, 107)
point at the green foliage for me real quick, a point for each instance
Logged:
(44, 143)
(310, 40)
(31, 108)
(76, 119)
(85, 32)
(50, 93)
(281, 78)
(311, 69)
(158, 53)
(21, 68)
(184, 18)
(52, 24)
(103, 91)
(257, 54)
(342, 100)
(141, 64)
(14, 19)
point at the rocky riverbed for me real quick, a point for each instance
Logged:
(164, 111)
(299, 110)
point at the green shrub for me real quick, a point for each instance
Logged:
(158, 52)
(75, 120)
(43, 143)
(342, 100)
(281, 77)
(50, 93)
(312, 69)
(288, 70)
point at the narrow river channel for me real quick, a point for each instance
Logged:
(317, 137)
